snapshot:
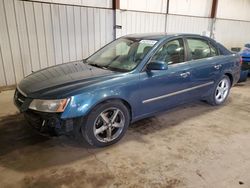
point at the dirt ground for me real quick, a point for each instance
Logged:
(195, 145)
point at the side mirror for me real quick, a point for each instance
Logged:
(157, 65)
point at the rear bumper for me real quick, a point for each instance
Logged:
(49, 123)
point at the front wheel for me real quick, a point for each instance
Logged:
(220, 92)
(106, 124)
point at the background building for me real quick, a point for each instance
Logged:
(42, 33)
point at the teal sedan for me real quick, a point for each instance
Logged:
(131, 78)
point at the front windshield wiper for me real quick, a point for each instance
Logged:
(116, 69)
(98, 66)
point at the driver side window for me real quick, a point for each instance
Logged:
(171, 53)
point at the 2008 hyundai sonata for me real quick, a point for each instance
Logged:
(129, 79)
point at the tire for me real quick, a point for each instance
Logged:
(100, 128)
(243, 76)
(214, 98)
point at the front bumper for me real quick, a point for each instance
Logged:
(49, 123)
(45, 123)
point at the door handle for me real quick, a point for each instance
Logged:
(185, 74)
(217, 67)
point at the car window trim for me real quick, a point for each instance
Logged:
(163, 43)
(209, 43)
(216, 48)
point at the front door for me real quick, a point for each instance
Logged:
(162, 89)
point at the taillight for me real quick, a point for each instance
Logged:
(241, 60)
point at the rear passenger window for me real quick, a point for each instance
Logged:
(201, 49)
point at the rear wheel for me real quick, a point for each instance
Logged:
(220, 92)
(106, 124)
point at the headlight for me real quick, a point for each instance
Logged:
(49, 105)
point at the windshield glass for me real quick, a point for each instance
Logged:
(121, 55)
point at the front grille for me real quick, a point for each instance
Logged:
(48, 123)
(34, 119)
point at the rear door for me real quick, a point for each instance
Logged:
(205, 64)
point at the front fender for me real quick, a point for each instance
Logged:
(80, 105)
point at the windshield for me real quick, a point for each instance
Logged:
(121, 55)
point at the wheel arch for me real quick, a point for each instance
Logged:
(125, 102)
(230, 76)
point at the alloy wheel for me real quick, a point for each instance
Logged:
(222, 90)
(109, 124)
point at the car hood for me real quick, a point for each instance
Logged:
(61, 80)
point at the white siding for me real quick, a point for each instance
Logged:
(32, 35)
(23, 37)
(2, 71)
(49, 34)
(41, 38)
(144, 5)
(91, 3)
(91, 31)
(7, 60)
(232, 33)
(187, 24)
(36, 35)
(64, 33)
(78, 32)
(140, 22)
(97, 3)
(57, 39)
(231, 9)
(109, 15)
(71, 33)
(85, 33)
(183, 7)
(191, 7)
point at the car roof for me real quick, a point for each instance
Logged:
(159, 36)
